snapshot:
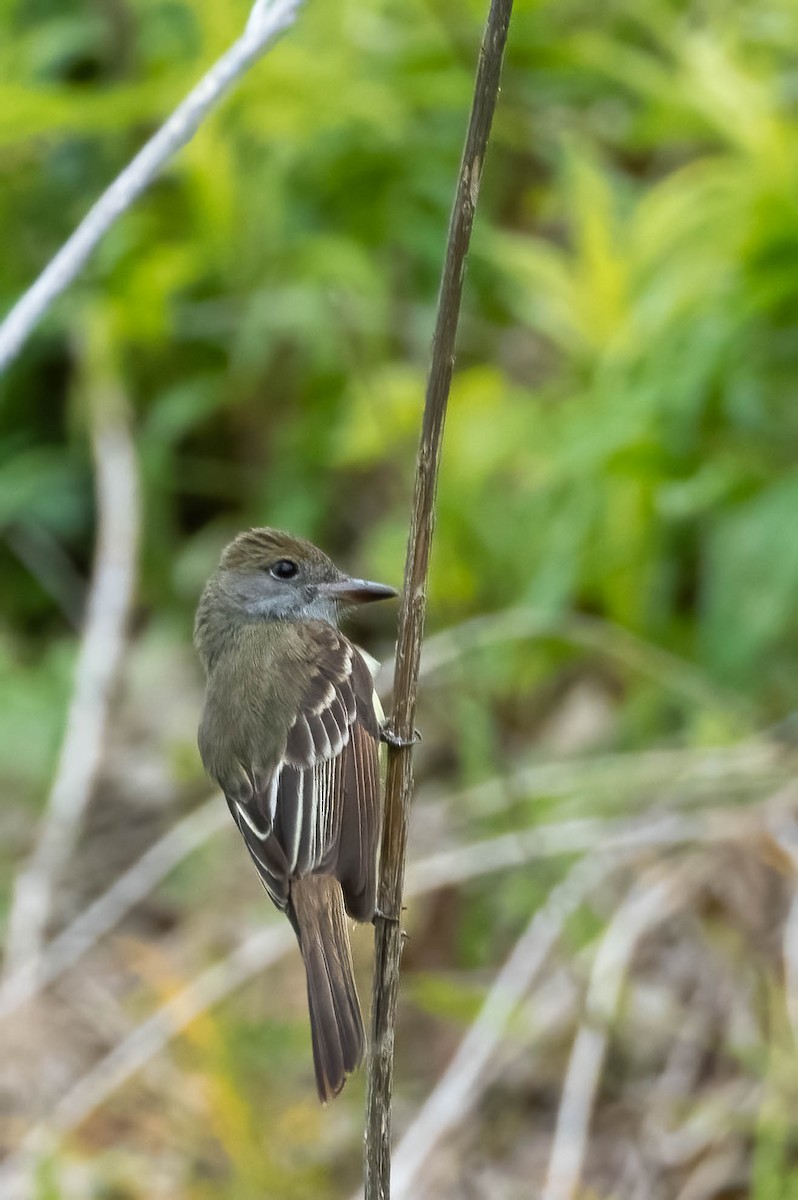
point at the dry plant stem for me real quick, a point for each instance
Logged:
(722, 1174)
(137, 1049)
(268, 19)
(98, 918)
(790, 956)
(437, 870)
(509, 850)
(677, 777)
(661, 1139)
(99, 659)
(589, 633)
(444, 868)
(650, 902)
(399, 779)
(695, 774)
(787, 837)
(153, 1035)
(745, 768)
(265, 947)
(472, 1067)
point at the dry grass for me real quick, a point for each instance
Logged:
(638, 1041)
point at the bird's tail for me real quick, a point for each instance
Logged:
(336, 1024)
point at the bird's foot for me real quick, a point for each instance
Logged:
(379, 915)
(392, 738)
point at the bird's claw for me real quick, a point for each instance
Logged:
(391, 738)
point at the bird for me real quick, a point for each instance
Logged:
(290, 732)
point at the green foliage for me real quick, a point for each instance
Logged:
(45, 1184)
(622, 419)
(622, 436)
(446, 998)
(31, 697)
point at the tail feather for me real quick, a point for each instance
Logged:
(336, 1023)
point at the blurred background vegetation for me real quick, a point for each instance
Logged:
(619, 471)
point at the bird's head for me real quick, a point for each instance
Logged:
(270, 574)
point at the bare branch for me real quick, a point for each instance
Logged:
(399, 780)
(96, 672)
(267, 20)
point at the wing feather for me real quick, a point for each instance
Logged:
(300, 749)
(318, 811)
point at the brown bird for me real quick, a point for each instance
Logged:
(290, 731)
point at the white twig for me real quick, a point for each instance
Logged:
(437, 870)
(474, 1064)
(569, 837)
(440, 869)
(721, 1174)
(267, 20)
(133, 886)
(150, 1038)
(786, 834)
(750, 763)
(470, 1071)
(529, 624)
(140, 1047)
(649, 902)
(790, 956)
(447, 866)
(739, 772)
(98, 662)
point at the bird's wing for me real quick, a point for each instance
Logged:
(319, 811)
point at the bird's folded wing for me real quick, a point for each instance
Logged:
(319, 811)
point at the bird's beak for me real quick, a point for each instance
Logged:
(357, 591)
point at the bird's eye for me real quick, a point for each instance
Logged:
(284, 568)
